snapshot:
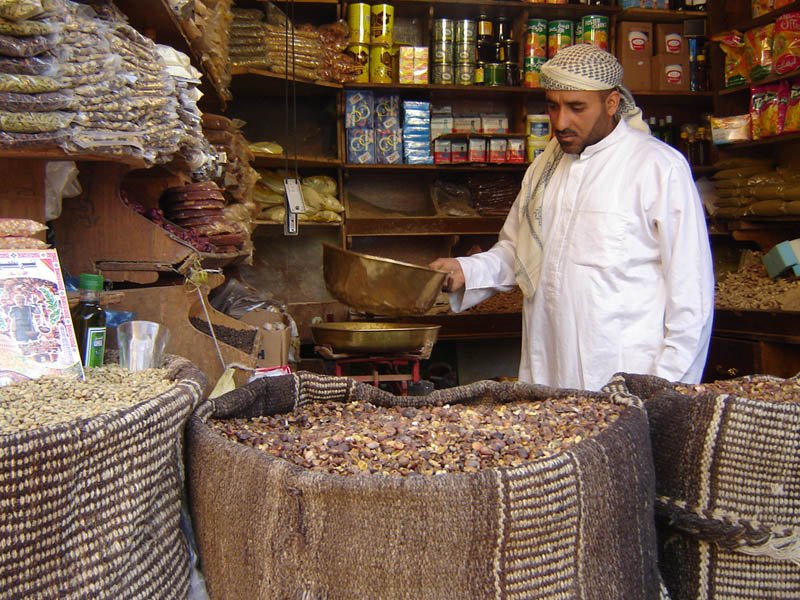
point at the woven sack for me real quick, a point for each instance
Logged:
(91, 508)
(727, 491)
(575, 525)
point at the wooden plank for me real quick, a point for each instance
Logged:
(772, 326)
(424, 226)
(22, 193)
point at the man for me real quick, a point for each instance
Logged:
(607, 240)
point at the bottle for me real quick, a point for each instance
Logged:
(502, 29)
(651, 122)
(703, 146)
(702, 73)
(669, 130)
(89, 320)
(485, 29)
(662, 129)
(684, 146)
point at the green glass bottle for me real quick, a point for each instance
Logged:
(89, 320)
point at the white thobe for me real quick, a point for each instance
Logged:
(627, 281)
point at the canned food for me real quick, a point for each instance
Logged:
(559, 35)
(465, 74)
(537, 128)
(512, 74)
(443, 30)
(479, 73)
(579, 31)
(442, 52)
(595, 30)
(381, 69)
(443, 74)
(494, 74)
(466, 30)
(382, 20)
(534, 149)
(536, 39)
(358, 19)
(361, 53)
(531, 70)
(465, 52)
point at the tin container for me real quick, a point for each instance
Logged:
(560, 34)
(381, 67)
(443, 30)
(534, 149)
(441, 52)
(443, 74)
(537, 128)
(382, 23)
(466, 30)
(579, 31)
(494, 74)
(361, 53)
(465, 52)
(595, 30)
(358, 19)
(530, 72)
(535, 39)
(465, 74)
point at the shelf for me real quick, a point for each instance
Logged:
(701, 170)
(300, 224)
(763, 19)
(659, 16)
(58, 154)
(254, 82)
(440, 167)
(485, 136)
(746, 87)
(453, 89)
(373, 227)
(471, 8)
(775, 326)
(271, 161)
(469, 326)
(775, 139)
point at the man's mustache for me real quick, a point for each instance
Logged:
(565, 132)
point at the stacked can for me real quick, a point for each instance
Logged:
(359, 19)
(382, 53)
(465, 51)
(538, 133)
(560, 34)
(535, 51)
(442, 56)
(594, 30)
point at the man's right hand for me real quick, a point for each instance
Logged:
(455, 279)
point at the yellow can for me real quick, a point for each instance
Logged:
(358, 19)
(381, 67)
(361, 53)
(382, 23)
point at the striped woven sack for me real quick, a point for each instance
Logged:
(727, 491)
(90, 509)
(575, 525)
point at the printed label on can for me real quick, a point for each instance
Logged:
(465, 53)
(361, 53)
(466, 30)
(359, 19)
(465, 74)
(559, 35)
(443, 30)
(595, 30)
(382, 20)
(442, 52)
(380, 64)
(443, 74)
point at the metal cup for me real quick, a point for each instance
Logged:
(141, 344)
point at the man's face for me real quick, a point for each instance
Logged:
(580, 119)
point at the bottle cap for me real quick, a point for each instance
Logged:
(90, 281)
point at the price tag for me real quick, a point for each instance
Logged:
(294, 196)
(289, 221)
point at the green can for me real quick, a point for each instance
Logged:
(465, 74)
(560, 34)
(579, 31)
(466, 30)
(465, 52)
(595, 30)
(494, 74)
(442, 52)
(443, 29)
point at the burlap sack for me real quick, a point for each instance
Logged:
(576, 525)
(727, 491)
(91, 509)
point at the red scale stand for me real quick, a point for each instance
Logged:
(395, 369)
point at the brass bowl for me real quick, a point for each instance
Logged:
(380, 286)
(381, 338)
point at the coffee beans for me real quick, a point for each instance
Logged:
(757, 387)
(238, 338)
(361, 438)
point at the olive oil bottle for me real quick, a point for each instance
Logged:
(89, 321)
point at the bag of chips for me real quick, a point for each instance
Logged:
(786, 44)
(791, 120)
(758, 51)
(767, 109)
(732, 44)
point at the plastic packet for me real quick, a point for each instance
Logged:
(786, 43)
(32, 65)
(273, 181)
(47, 101)
(767, 208)
(758, 51)
(20, 227)
(791, 120)
(738, 172)
(726, 130)
(22, 28)
(266, 148)
(734, 163)
(17, 10)
(31, 45)
(247, 14)
(321, 183)
(325, 216)
(34, 122)
(767, 109)
(732, 44)
(22, 243)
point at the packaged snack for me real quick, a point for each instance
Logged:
(725, 130)
(791, 120)
(360, 146)
(767, 109)
(786, 44)
(12, 227)
(758, 51)
(761, 7)
(358, 106)
(388, 146)
(732, 44)
(387, 111)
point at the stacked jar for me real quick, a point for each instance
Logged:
(442, 52)
(498, 54)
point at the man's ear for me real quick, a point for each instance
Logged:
(612, 103)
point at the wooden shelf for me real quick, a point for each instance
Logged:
(775, 139)
(440, 167)
(700, 170)
(775, 326)
(485, 136)
(271, 161)
(254, 82)
(438, 225)
(469, 326)
(300, 224)
(659, 16)
(763, 19)
(771, 79)
(58, 154)
(451, 89)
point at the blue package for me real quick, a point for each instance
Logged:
(416, 105)
(387, 111)
(360, 146)
(417, 132)
(416, 145)
(388, 146)
(416, 120)
(419, 159)
(358, 108)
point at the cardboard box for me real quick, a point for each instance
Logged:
(469, 124)
(670, 73)
(274, 347)
(669, 39)
(441, 151)
(635, 51)
(492, 123)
